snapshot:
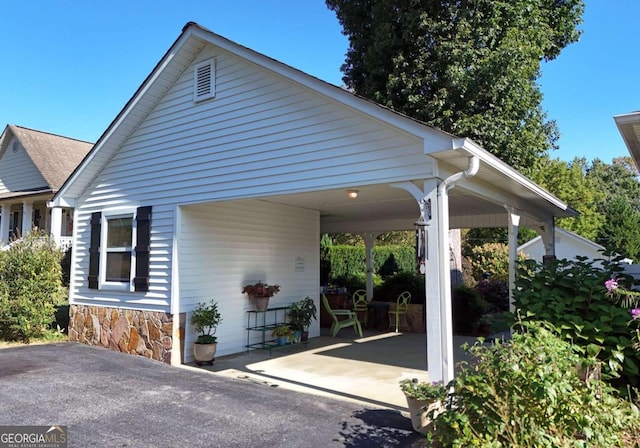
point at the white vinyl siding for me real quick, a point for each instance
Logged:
(263, 135)
(17, 171)
(158, 298)
(228, 245)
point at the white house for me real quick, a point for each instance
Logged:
(568, 245)
(33, 166)
(226, 166)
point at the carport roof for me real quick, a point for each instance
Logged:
(479, 201)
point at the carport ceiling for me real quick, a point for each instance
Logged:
(382, 208)
(478, 201)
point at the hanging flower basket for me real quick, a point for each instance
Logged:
(260, 293)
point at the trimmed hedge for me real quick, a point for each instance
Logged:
(349, 261)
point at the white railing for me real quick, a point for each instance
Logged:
(65, 242)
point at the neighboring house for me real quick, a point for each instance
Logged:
(629, 128)
(33, 166)
(568, 245)
(225, 168)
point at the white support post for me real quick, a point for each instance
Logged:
(5, 219)
(434, 211)
(369, 241)
(56, 224)
(27, 217)
(514, 223)
(444, 275)
(436, 325)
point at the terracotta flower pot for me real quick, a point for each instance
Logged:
(261, 303)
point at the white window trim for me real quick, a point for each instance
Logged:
(211, 64)
(102, 282)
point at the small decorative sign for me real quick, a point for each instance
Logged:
(33, 437)
(299, 265)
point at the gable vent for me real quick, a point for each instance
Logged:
(204, 75)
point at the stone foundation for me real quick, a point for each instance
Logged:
(144, 333)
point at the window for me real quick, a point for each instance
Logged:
(120, 245)
(119, 249)
(117, 255)
(204, 80)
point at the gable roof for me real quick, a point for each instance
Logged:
(194, 38)
(567, 234)
(54, 156)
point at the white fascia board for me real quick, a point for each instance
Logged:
(120, 119)
(494, 162)
(633, 117)
(625, 124)
(62, 202)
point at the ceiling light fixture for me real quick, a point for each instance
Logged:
(352, 193)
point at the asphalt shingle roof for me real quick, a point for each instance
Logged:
(53, 155)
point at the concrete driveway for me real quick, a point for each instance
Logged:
(109, 399)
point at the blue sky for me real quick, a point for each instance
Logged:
(69, 66)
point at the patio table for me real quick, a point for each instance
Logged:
(380, 312)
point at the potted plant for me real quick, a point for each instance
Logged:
(301, 314)
(484, 326)
(424, 400)
(261, 293)
(205, 320)
(283, 334)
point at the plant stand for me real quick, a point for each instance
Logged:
(264, 322)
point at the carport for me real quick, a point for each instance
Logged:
(469, 188)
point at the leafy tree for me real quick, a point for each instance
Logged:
(621, 231)
(619, 177)
(568, 181)
(468, 67)
(619, 184)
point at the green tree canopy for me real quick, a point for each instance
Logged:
(568, 181)
(468, 67)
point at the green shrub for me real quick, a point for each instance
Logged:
(571, 295)
(492, 259)
(30, 287)
(468, 307)
(527, 392)
(495, 293)
(404, 281)
(350, 260)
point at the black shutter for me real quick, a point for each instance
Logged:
(143, 247)
(94, 250)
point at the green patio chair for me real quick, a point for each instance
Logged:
(399, 315)
(360, 304)
(341, 318)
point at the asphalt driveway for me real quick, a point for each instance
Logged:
(109, 399)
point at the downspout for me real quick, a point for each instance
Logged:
(444, 274)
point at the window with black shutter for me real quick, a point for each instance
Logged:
(113, 256)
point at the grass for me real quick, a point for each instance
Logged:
(50, 336)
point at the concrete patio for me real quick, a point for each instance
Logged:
(364, 370)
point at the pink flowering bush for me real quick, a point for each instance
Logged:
(593, 308)
(629, 299)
